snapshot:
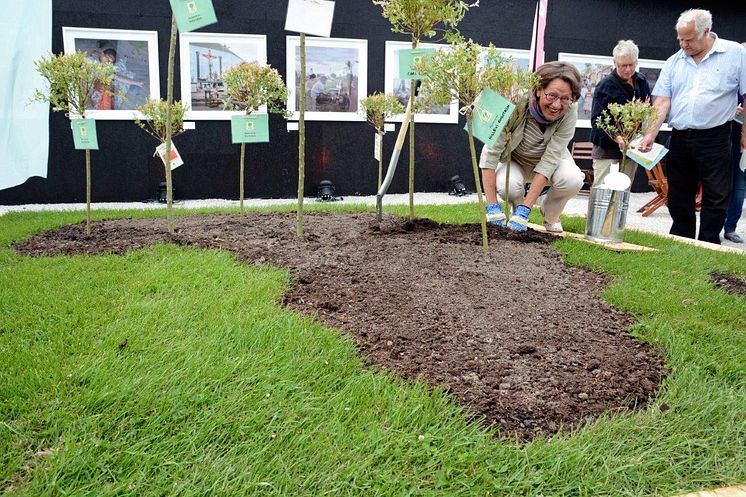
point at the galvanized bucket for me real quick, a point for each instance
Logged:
(607, 214)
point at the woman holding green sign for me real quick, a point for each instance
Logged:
(535, 138)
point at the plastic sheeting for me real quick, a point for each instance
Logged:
(25, 36)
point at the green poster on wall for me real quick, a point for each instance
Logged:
(491, 113)
(250, 129)
(407, 60)
(193, 14)
(84, 134)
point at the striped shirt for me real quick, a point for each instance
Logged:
(703, 95)
(530, 150)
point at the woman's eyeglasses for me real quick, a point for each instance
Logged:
(553, 97)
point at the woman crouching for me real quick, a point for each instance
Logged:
(537, 133)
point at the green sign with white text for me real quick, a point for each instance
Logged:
(408, 59)
(491, 113)
(193, 14)
(250, 129)
(84, 134)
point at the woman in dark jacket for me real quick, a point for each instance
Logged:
(622, 85)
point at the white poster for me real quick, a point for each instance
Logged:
(313, 17)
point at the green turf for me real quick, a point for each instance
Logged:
(220, 391)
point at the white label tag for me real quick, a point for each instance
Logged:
(379, 145)
(175, 157)
(313, 17)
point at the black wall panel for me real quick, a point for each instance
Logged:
(124, 168)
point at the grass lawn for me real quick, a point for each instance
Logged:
(220, 391)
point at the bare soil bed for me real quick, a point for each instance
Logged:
(519, 338)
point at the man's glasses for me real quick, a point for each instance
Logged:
(553, 97)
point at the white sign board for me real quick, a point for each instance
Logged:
(313, 17)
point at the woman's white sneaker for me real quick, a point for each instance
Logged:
(553, 227)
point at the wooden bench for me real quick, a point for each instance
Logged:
(583, 151)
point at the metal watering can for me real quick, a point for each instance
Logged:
(607, 208)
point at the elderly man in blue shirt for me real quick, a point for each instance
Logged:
(699, 85)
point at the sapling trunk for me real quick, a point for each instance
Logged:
(88, 192)
(475, 169)
(412, 86)
(169, 117)
(301, 137)
(411, 151)
(240, 180)
(506, 200)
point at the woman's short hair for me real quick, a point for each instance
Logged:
(625, 48)
(567, 72)
(701, 18)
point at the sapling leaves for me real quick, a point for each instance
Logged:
(249, 86)
(378, 108)
(424, 18)
(625, 122)
(155, 114)
(72, 81)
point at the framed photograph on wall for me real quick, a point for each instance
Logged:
(134, 55)
(446, 114)
(336, 78)
(204, 58)
(593, 68)
(521, 57)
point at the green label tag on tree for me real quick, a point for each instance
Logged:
(491, 113)
(84, 134)
(250, 129)
(408, 59)
(193, 14)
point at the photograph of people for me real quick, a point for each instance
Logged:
(333, 82)
(209, 59)
(130, 87)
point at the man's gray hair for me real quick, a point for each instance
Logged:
(701, 18)
(625, 48)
